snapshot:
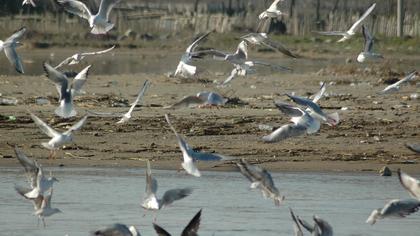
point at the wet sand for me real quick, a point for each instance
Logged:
(372, 131)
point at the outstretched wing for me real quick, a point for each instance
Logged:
(58, 78)
(296, 225)
(186, 102)
(106, 7)
(76, 7)
(80, 80)
(331, 33)
(289, 110)
(173, 195)
(98, 52)
(411, 184)
(16, 36)
(285, 132)
(368, 39)
(192, 227)
(140, 95)
(192, 47)
(44, 127)
(320, 93)
(356, 24)
(160, 231)
(14, 58)
(78, 125)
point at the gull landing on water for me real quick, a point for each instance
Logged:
(78, 57)
(9, 47)
(368, 53)
(352, 31)
(99, 22)
(139, 97)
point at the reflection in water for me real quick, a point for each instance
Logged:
(91, 198)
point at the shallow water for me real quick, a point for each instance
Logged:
(91, 198)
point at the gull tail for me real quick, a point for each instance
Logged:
(65, 110)
(103, 29)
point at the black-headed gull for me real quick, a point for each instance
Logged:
(57, 139)
(411, 184)
(184, 69)
(9, 47)
(117, 230)
(78, 57)
(190, 230)
(264, 40)
(395, 87)
(139, 97)
(151, 202)
(368, 54)
(303, 123)
(66, 89)
(395, 208)
(353, 29)
(99, 22)
(260, 178)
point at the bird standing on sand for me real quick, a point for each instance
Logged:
(99, 22)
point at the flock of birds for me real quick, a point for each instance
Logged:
(306, 118)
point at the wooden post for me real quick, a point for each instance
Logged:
(400, 18)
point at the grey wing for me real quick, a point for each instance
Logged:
(80, 80)
(192, 228)
(413, 147)
(37, 202)
(44, 127)
(140, 95)
(78, 125)
(324, 226)
(411, 184)
(114, 230)
(320, 93)
(106, 7)
(285, 132)
(187, 102)
(307, 103)
(409, 77)
(64, 62)
(192, 47)
(160, 231)
(211, 52)
(331, 33)
(306, 225)
(368, 39)
(76, 7)
(98, 52)
(14, 58)
(362, 18)
(175, 194)
(263, 25)
(273, 66)
(151, 183)
(16, 36)
(296, 225)
(30, 165)
(401, 207)
(289, 109)
(278, 46)
(232, 76)
(58, 78)
(243, 168)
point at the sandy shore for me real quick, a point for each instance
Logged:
(372, 131)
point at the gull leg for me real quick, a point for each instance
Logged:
(37, 225)
(43, 221)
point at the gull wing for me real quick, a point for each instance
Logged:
(216, 54)
(44, 127)
(30, 166)
(160, 231)
(296, 225)
(273, 6)
(140, 95)
(192, 47)
(114, 230)
(232, 76)
(106, 7)
(192, 227)
(98, 52)
(401, 208)
(320, 93)
(289, 110)
(411, 184)
(14, 58)
(278, 46)
(368, 39)
(64, 62)
(243, 168)
(306, 225)
(324, 226)
(331, 33)
(77, 126)
(58, 78)
(413, 147)
(285, 132)
(76, 7)
(396, 86)
(15, 36)
(187, 102)
(356, 24)
(80, 80)
(151, 183)
(272, 66)
(307, 103)
(173, 195)
(37, 202)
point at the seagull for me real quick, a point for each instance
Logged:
(99, 22)
(395, 208)
(368, 53)
(314, 109)
(151, 202)
(296, 225)
(139, 97)
(320, 227)
(184, 69)
(28, 2)
(411, 184)
(260, 178)
(272, 12)
(303, 123)
(117, 230)
(190, 230)
(42, 185)
(66, 89)
(9, 47)
(263, 40)
(202, 99)
(353, 29)
(78, 57)
(396, 86)
(57, 139)
(413, 147)
(46, 210)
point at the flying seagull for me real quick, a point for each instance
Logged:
(9, 47)
(368, 53)
(184, 69)
(411, 184)
(303, 123)
(202, 99)
(99, 22)
(57, 139)
(117, 230)
(353, 29)
(395, 208)
(190, 230)
(78, 57)
(46, 210)
(42, 185)
(151, 202)
(272, 12)
(260, 178)
(263, 40)
(28, 2)
(66, 89)
(396, 86)
(413, 147)
(139, 97)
